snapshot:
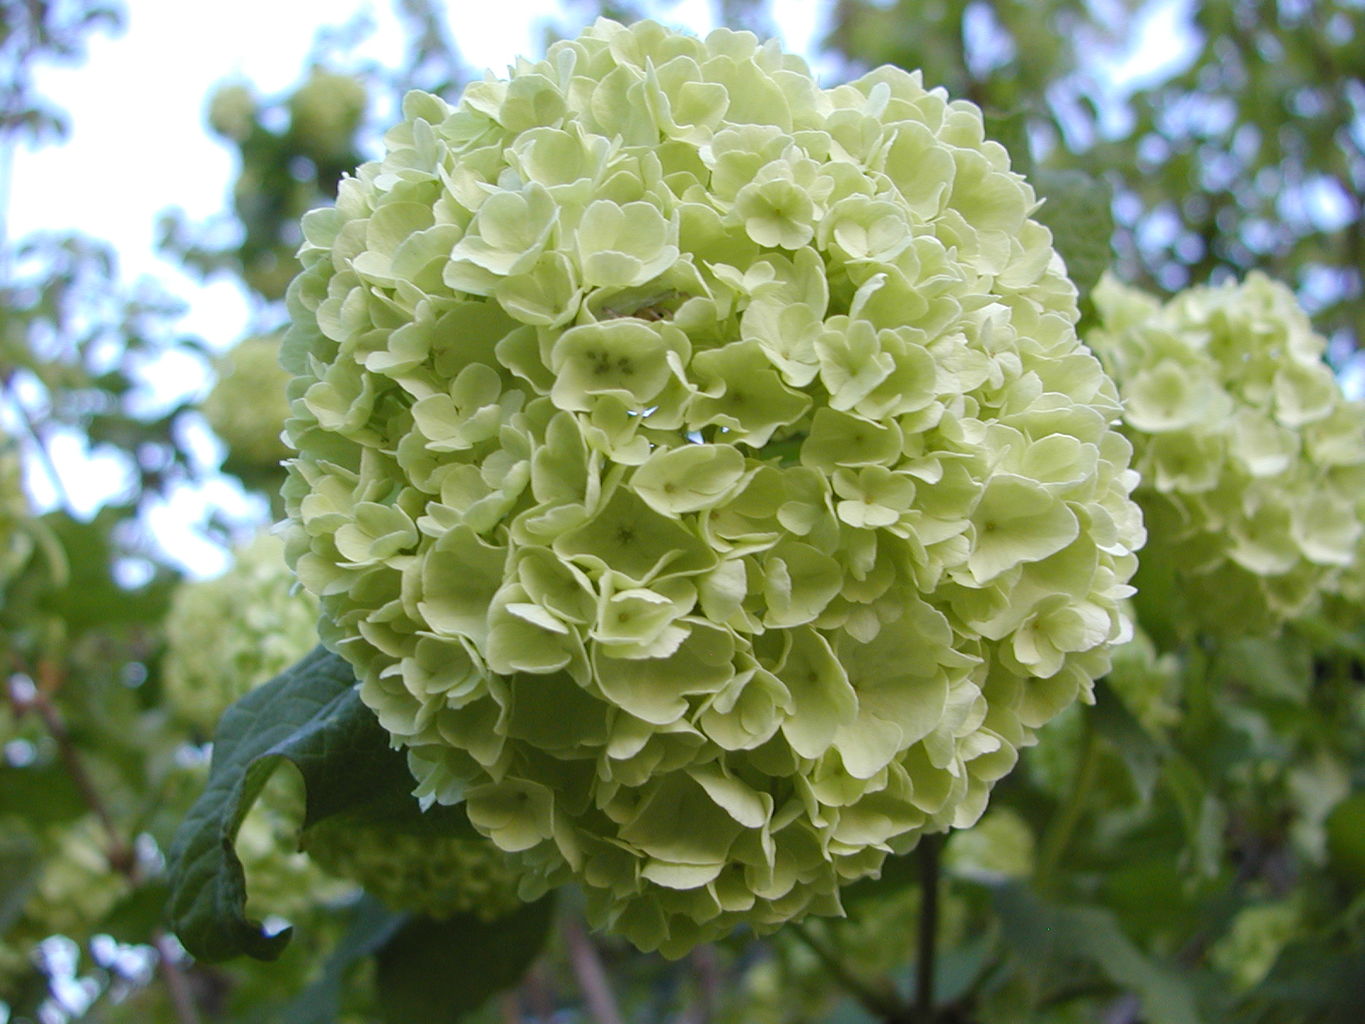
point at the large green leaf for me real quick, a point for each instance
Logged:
(437, 971)
(1052, 938)
(311, 716)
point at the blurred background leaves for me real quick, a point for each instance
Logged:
(1189, 850)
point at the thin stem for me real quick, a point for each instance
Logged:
(707, 978)
(44, 456)
(1060, 830)
(592, 978)
(928, 855)
(120, 854)
(539, 999)
(177, 986)
(879, 1002)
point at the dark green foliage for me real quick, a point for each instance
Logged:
(1060, 943)
(438, 971)
(311, 717)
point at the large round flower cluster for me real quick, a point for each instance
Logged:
(229, 634)
(433, 875)
(1252, 461)
(701, 470)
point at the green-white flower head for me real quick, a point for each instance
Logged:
(1252, 461)
(247, 406)
(232, 111)
(325, 112)
(433, 875)
(701, 470)
(227, 635)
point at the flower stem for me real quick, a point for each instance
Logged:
(928, 856)
(177, 986)
(120, 853)
(592, 978)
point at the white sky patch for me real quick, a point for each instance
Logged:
(139, 146)
(1163, 43)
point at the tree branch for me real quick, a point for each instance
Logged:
(592, 978)
(928, 856)
(120, 853)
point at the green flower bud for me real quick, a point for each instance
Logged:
(701, 471)
(247, 406)
(1252, 461)
(227, 635)
(432, 875)
(232, 111)
(325, 112)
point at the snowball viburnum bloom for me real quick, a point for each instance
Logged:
(247, 405)
(227, 635)
(701, 470)
(1252, 459)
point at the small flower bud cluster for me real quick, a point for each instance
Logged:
(232, 111)
(227, 635)
(324, 114)
(432, 875)
(247, 406)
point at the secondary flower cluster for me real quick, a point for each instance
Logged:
(247, 406)
(228, 635)
(1252, 461)
(432, 875)
(701, 470)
